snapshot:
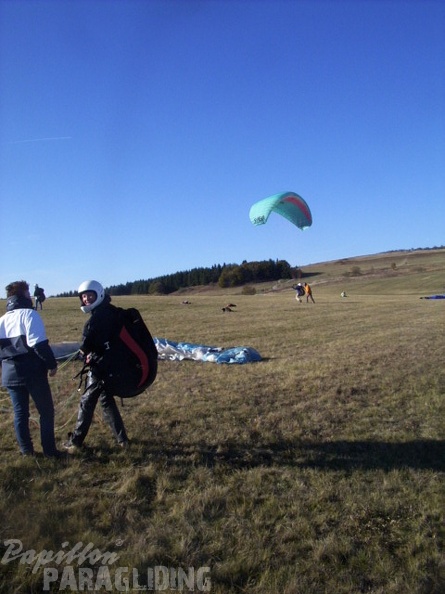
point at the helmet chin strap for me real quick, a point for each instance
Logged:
(87, 308)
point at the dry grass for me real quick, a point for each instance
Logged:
(318, 470)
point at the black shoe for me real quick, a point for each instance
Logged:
(70, 446)
(57, 455)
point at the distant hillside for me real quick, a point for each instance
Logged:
(223, 276)
(419, 270)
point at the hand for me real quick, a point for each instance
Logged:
(52, 372)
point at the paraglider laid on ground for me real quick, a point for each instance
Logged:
(176, 351)
(65, 350)
(434, 297)
(287, 204)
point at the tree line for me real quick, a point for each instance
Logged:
(225, 275)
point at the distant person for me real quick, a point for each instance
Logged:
(27, 360)
(343, 294)
(39, 296)
(299, 292)
(97, 333)
(308, 292)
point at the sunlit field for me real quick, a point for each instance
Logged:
(319, 470)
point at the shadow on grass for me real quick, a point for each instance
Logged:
(329, 455)
(371, 455)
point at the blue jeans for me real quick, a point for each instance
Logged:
(40, 392)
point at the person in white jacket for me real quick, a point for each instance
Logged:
(27, 359)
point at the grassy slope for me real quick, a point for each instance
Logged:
(420, 272)
(320, 469)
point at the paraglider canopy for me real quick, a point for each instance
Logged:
(287, 204)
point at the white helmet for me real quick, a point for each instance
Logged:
(91, 285)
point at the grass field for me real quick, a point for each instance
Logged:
(319, 470)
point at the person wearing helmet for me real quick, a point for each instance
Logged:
(299, 292)
(95, 338)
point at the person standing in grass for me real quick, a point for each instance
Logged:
(308, 291)
(299, 292)
(97, 334)
(27, 360)
(39, 296)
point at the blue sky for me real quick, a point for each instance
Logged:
(135, 135)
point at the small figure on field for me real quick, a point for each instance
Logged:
(39, 296)
(343, 294)
(308, 291)
(97, 333)
(299, 292)
(27, 359)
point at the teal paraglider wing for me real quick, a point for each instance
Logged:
(287, 204)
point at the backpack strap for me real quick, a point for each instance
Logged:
(82, 373)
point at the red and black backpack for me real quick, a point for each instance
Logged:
(129, 363)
